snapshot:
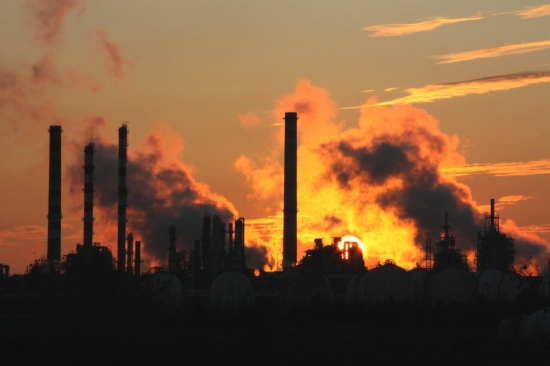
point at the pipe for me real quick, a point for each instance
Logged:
(54, 195)
(130, 251)
(88, 195)
(122, 194)
(172, 249)
(137, 264)
(492, 214)
(290, 211)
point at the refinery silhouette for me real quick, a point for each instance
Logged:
(207, 305)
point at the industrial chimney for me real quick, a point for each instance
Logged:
(290, 209)
(137, 264)
(122, 193)
(54, 195)
(88, 195)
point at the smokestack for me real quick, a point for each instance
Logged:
(446, 226)
(130, 252)
(206, 246)
(290, 190)
(172, 249)
(88, 195)
(137, 264)
(122, 193)
(230, 240)
(492, 214)
(54, 195)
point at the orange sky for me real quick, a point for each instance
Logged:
(204, 86)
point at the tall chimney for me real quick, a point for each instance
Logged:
(446, 226)
(290, 189)
(122, 193)
(137, 264)
(492, 214)
(54, 195)
(172, 249)
(88, 195)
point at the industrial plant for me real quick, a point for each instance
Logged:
(214, 271)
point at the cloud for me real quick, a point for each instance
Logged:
(48, 16)
(249, 119)
(392, 30)
(517, 169)
(512, 49)
(432, 92)
(539, 11)
(114, 54)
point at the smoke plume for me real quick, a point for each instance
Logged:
(162, 192)
(381, 182)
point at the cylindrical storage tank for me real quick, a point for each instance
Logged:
(545, 287)
(419, 277)
(453, 285)
(487, 285)
(386, 283)
(304, 288)
(166, 292)
(352, 288)
(231, 292)
(511, 285)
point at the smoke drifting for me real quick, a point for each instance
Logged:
(162, 192)
(48, 16)
(381, 182)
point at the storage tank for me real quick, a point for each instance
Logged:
(304, 288)
(352, 288)
(385, 283)
(166, 292)
(545, 287)
(511, 286)
(231, 292)
(419, 277)
(487, 285)
(453, 285)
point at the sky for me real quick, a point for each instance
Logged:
(407, 109)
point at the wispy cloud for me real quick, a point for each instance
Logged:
(535, 167)
(392, 30)
(545, 228)
(539, 11)
(432, 92)
(512, 49)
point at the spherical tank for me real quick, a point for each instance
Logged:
(167, 293)
(487, 285)
(231, 292)
(419, 277)
(385, 283)
(453, 285)
(545, 287)
(304, 288)
(352, 288)
(511, 285)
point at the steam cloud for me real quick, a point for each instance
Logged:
(48, 16)
(382, 182)
(162, 192)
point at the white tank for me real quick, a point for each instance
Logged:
(419, 277)
(453, 285)
(545, 287)
(385, 283)
(511, 286)
(231, 292)
(304, 288)
(495, 285)
(352, 288)
(166, 292)
(488, 281)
